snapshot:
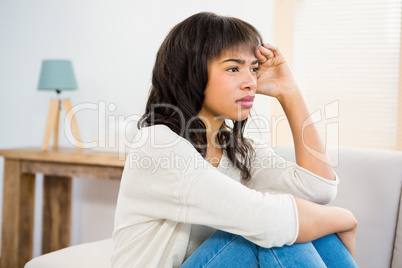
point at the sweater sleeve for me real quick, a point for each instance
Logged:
(195, 192)
(276, 175)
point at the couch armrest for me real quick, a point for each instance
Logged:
(370, 186)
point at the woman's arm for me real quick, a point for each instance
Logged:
(298, 116)
(273, 173)
(275, 79)
(316, 221)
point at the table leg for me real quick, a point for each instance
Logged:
(18, 216)
(56, 213)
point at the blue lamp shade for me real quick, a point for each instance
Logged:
(57, 74)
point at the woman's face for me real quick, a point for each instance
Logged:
(232, 84)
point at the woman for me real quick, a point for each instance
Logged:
(191, 166)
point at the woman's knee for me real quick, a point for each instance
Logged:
(296, 255)
(333, 252)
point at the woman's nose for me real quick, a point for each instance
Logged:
(249, 82)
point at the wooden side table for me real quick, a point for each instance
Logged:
(58, 167)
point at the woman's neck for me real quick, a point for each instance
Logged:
(214, 149)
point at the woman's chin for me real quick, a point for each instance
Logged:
(240, 117)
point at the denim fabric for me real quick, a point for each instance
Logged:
(228, 250)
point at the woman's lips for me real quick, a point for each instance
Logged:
(246, 102)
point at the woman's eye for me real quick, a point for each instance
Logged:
(254, 70)
(232, 70)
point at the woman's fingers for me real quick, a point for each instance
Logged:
(264, 54)
(261, 58)
(273, 49)
(270, 54)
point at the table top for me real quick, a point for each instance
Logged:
(66, 155)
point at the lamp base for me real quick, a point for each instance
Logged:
(52, 123)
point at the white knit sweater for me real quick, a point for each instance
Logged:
(167, 187)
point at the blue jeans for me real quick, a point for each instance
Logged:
(228, 250)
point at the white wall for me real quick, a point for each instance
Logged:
(112, 45)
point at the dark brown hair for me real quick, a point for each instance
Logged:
(180, 76)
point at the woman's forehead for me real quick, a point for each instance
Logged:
(238, 53)
(245, 50)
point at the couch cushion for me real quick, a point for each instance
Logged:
(89, 255)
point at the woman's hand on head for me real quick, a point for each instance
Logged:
(274, 77)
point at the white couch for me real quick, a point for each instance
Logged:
(370, 187)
